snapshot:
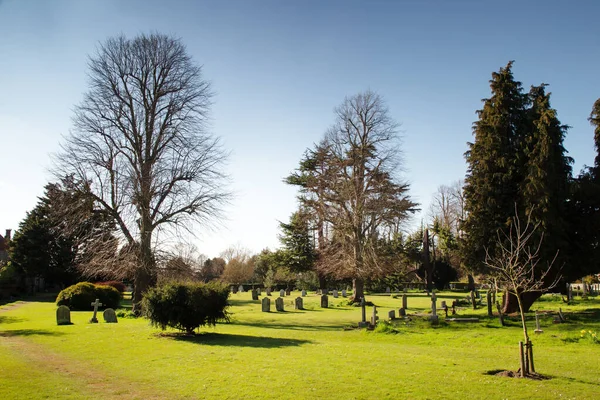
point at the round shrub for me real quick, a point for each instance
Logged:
(79, 297)
(186, 306)
(120, 286)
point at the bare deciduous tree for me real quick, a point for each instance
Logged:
(140, 145)
(516, 266)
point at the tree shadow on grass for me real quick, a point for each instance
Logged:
(298, 327)
(4, 319)
(29, 332)
(227, 339)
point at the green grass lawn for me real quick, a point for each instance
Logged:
(315, 353)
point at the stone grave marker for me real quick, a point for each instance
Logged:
(374, 317)
(258, 291)
(288, 291)
(392, 315)
(402, 312)
(303, 293)
(254, 294)
(96, 304)
(537, 323)
(63, 315)
(344, 293)
(335, 294)
(299, 303)
(324, 301)
(268, 290)
(241, 289)
(281, 293)
(234, 289)
(279, 304)
(266, 304)
(110, 316)
(434, 316)
(473, 302)
(387, 290)
(363, 322)
(404, 301)
(325, 292)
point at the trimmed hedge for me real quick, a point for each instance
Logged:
(80, 296)
(120, 286)
(186, 306)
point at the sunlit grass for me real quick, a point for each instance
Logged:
(313, 353)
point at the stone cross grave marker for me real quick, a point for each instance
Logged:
(363, 322)
(344, 293)
(335, 294)
(324, 301)
(266, 304)
(63, 315)
(404, 301)
(281, 293)
(110, 316)
(96, 304)
(279, 304)
(254, 294)
(299, 303)
(303, 293)
(537, 323)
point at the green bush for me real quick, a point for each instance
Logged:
(80, 296)
(120, 286)
(186, 306)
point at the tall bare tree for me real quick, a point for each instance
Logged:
(362, 193)
(141, 148)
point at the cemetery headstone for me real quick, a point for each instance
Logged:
(335, 294)
(454, 307)
(279, 304)
(473, 302)
(374, 316)
(268, 291)
(303, 293)
(392, 315)
(95, 304)
(537, 323)
(254, 294)
(258, 291)
(404, 301)
(110, 316)
(363, 322)
(281, 293)
(299, 303)
(63, 315)
(288, 292)
(325, 292)
(241, 289)
(324, 301)
(234, 289)
(434, 316)
(402, 312)
(266, 304)
(387, 290)
(344, 293)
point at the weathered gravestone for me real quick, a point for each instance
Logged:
(258, 291)
(241, 288)
(374, 317)
(288, 292)
(234, 290)
(392, 314)
(303, 293)
(268, 291)
(279, 304)
(344, 293)
(335, 294)
(266, 304)
(63, 315)
(324, 301)
(404, 301)
(95, 304)
(402, 312)
(110, 316)
(434, 316)
(254, 294)
(537, 323)
(299, 303)
(363, 322)
(281, 293)
(387, 290)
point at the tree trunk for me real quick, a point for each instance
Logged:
(427, 262)
(358, 290)
(144, 276)
(471, 284)
(511, 303)
(322, 281)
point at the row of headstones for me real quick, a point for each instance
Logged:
(283, 293)
(63, 314)
(298, 303)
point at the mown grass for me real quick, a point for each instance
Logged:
(314, 353)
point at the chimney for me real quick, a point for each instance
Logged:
(7, 236)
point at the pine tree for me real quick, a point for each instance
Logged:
(495, 162)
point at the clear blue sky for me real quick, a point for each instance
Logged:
(280, 67)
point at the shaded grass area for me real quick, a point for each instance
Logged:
(305, 354)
